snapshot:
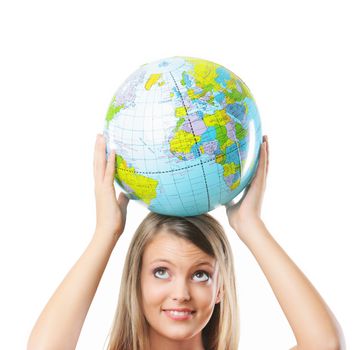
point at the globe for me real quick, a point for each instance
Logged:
(186, 133)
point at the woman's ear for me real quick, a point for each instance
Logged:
(219, 296)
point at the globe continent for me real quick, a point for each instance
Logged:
(187, 135)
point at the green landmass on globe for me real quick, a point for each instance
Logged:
(187, 135)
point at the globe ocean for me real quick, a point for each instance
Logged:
(187, 135)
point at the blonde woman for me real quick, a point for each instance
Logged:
(178, 285)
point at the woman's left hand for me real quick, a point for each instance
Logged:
(245, 213)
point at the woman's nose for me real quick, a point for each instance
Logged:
(180, 291)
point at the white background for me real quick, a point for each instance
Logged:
(61, 63)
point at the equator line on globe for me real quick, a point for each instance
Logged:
(187, 135)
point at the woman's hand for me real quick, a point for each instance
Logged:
(245, 213)
(111, 212)
(59, 326)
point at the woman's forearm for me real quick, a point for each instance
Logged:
(60, 323)
(311, 320)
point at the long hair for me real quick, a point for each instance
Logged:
(130, 330)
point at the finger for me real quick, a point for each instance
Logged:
(260, 172)
(99, 163)
(267, 154)
(123, 200)
(110, 167)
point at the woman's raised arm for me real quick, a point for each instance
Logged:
(312, 322)
(60, 323)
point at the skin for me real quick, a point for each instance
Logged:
(312, 322)
(178, 283)
(59, 324)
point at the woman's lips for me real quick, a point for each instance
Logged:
(179, 315)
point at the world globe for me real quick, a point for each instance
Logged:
(186, 133)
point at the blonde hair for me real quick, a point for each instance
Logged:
(129, 329)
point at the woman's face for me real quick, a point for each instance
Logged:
(188, 279)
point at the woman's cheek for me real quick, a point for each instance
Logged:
(203, 294)
(154, 292)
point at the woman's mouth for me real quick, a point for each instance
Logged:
(179, 315)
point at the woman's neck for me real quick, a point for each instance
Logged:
(158, 341)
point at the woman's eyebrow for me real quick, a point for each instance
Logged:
(196, 263)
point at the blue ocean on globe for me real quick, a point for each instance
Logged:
(187, 135)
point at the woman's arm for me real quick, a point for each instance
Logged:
(312, 322)
(60, 323)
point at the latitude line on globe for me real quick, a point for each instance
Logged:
(198, 151)
(179, 169)
(175, 170)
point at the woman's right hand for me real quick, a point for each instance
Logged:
(111, 211)
(59, 326)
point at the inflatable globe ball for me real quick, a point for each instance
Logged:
(187, 135)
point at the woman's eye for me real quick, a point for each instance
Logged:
(200, 273)
(162, 274)
(201, 276)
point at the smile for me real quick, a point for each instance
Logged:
(179, 315)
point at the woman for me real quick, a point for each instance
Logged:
(178, 287)
(165, 304)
